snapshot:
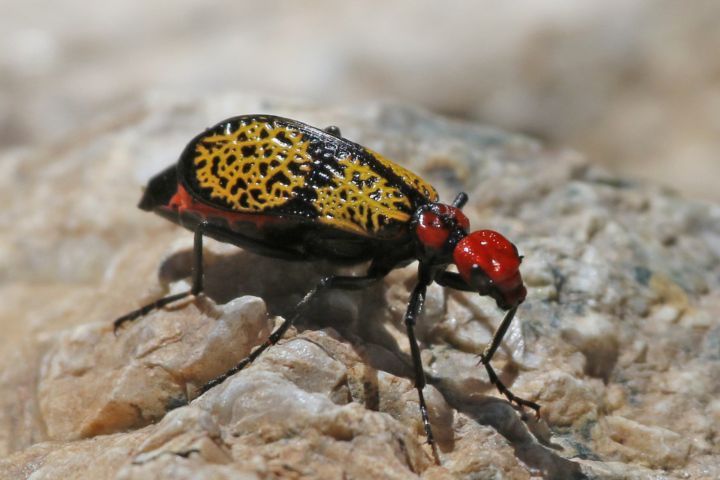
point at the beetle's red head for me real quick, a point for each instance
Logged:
(490, 263)
(486, 260)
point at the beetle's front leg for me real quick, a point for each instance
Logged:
(454, 280)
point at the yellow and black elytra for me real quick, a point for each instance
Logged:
(281, 188)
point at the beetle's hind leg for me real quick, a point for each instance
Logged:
(196, 289)
(327, 283)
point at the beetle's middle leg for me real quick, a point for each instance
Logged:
(415, 307)
(327, 283)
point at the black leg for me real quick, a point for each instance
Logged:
(454, 280)
(337, 281)
(197, 285)
(197, 269)
(415, 305)
(202, 229)
(487, 356)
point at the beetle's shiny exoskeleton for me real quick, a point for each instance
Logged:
(281, 188)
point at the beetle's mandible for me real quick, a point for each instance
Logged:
(281, 188)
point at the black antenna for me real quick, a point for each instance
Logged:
(460, 200)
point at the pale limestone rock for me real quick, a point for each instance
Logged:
(647, 446)
(596, 337)
(619, 339)
(95, 382)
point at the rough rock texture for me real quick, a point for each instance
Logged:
(619, 339)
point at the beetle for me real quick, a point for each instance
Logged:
(284, 189)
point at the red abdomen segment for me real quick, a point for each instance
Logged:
(490, 262)
(166, 194)
(183, 202)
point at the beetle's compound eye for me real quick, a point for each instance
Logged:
(490, 263)
(435, 225)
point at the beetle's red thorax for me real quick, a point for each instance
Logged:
(435, 226)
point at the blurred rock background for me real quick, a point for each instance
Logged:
(633, 85)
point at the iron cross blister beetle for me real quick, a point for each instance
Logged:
(284, 189)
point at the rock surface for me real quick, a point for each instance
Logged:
(619, 339)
